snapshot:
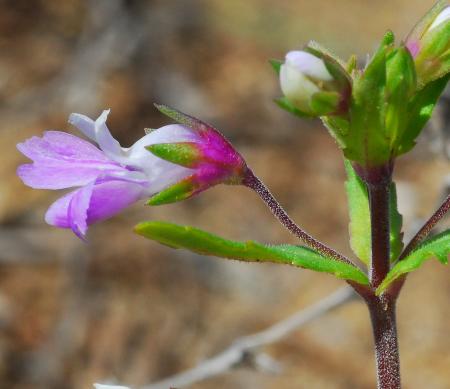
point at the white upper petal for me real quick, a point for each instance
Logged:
(441, 18)
(84, 124)
(161, 173)
(99, 133)
(309, 65)
(139, 156)
(109, 145)
(157, 172)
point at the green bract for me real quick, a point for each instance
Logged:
(184, 153)
(201, 242)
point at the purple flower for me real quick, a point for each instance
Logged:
(169, 164)
(108, 179)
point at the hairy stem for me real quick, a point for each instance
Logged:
(426, 228)
(257, 185)
(379, 220)
(382, 308)
(382, 314)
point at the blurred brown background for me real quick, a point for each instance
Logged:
(127, 310)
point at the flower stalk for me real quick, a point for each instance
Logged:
(254, 183)
(426, 228)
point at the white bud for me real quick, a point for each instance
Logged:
(441, 18)
(301, 76)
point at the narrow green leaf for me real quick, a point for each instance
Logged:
(436, 247)
(276, 65)
(201, 242)
(358, 204)
(395, 225)
(351, 64)
(400, 87)
(420, 109)
(360, 230)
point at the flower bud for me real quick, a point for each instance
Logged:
(314, 83)
(429, 43)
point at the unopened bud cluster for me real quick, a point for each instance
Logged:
(375, 113)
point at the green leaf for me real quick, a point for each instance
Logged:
(201, 242)
(285, 104)
(351, 64)
(436, 247)
(358, 204)
(360, 229)
(420, 109)
(400, 87)
(276, 65)
(395, 225)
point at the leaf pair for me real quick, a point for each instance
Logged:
(360, 230)
(360, 233)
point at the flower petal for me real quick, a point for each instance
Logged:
(160, 173)
(52, 177)
(308, 64)
(111, 197)
(57, 214)
(78, 209)
(56, 147)
(62, 161)
(105, 140)
(85, 124)
(94, 202)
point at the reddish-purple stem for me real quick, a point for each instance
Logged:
(382, 314)
(379, 222)
(257, 185)
(382, 308)
(426, 228)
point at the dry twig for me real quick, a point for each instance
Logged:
(242, 350)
